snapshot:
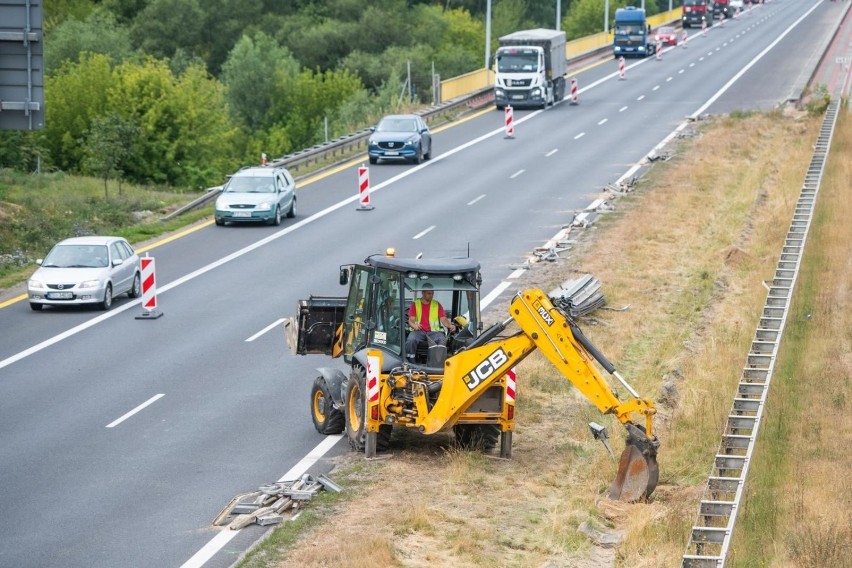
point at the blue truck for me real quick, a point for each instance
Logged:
(632, 34)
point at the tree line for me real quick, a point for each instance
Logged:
(181, 92)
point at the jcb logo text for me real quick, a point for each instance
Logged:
(485, 369)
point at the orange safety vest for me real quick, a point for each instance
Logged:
(434, 320)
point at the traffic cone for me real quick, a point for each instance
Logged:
(510, 126)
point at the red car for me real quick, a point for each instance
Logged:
(667, 35)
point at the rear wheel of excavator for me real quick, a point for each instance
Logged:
(327, 419)
(477, 436)
(354, 413)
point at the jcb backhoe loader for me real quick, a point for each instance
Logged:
(468, 384)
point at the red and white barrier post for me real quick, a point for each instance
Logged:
(703, 27)
(364, 188)
(659, 48)
(737, 13)
(574, 99)
(721, 20)
(509, 122)
(149, 289)
(621, 68)
(684, 39)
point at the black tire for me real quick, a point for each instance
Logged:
(275, 221)
(354, 418)
(418, 157)
(220, 222)
(428, 155)
(107, 303)
(327, 419)
(477, 436)
(136, 288)
(374, 160)
(292, 211)
(36, 307)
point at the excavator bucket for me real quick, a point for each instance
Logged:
(638, 472)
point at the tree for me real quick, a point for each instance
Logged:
(109, 145)
(166, 25)
(74, 96)
(99, 33)
(251, 73)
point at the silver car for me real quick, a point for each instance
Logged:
(257, 195)
(85, 271)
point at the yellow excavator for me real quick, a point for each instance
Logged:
(466, 384)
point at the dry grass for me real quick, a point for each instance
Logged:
(688, 256)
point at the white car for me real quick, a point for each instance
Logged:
(85, 271)
(735, 5)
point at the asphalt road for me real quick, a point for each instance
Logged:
(86, 484)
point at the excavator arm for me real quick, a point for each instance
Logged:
(544, 325)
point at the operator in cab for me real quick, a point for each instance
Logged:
(425, 317)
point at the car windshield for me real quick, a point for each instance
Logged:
(77, 256)
(397, 125)
(251, 184)
(517, 61)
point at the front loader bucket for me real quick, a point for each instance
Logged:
(638, 472)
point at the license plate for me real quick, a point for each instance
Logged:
(59, 295)
(391, 153)
(242, 213)
(517, 96)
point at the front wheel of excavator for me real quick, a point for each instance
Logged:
(355, 414)
(327, 419)
(638, 471)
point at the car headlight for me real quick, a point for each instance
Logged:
(498, 92)
(536, 92)
(35, 284)
(411, 142)
(265, 206)
(372, 143)
(90, 284)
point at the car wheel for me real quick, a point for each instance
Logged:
(374, 160)
(220, 222)
(276, 220)
(418, 157)
(292, 211)
(136, 289)
(428, 155)
(36, 307)
(107, 303)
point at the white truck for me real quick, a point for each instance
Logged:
(530, 68)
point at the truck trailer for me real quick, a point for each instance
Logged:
(530, 68)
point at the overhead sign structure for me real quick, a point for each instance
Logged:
(21, 65)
